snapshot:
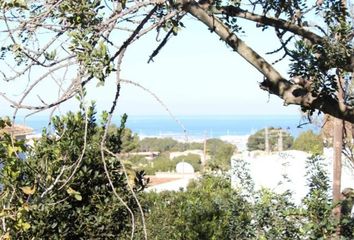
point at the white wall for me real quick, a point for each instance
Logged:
(267, 170)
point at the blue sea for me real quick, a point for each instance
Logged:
(201, 126)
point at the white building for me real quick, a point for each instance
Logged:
(269, 170)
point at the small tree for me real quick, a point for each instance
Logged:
(220, 154)
(309, 142)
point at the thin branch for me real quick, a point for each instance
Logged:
(103, 142)
(160, 102)
(83, 151)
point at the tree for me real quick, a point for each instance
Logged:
(80, 39)
(157, 144)
(86, 44)
(129, 141)
(220, 154)
(309, 142)
(257, 141)
(60, 191)
(211, 209)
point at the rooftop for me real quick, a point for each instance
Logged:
(17, 130)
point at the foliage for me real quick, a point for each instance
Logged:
(309, 142)
(166, 145)
(347, 218)
(256, 141)
(129, 140)
(317, 203)
(198, 213)
(192, 159)
(53, 38)
(163, 163)
(220, 154)
(211, 209)
(157, 144)
(39, 203)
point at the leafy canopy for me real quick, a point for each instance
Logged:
(60, 190)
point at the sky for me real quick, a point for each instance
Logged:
(194, 74)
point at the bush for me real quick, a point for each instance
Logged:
(220, 154)
(157, 144)
(166, 145)
(309, 142)
(41, 205)
(211, 209)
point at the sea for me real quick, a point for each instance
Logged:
(201, 126)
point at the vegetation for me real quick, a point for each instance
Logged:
(61, 189)
(129, 140)
(219, 151)
(220, 154)
(42, 198)
(257, 140)
(62, 192)
(163, 163)
(166, 145)
(192, 159)
(309, 142)
(211, 209)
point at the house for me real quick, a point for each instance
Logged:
(146, 155)
(20, 132)
(169, 181)
(286, 170)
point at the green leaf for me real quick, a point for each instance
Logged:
(26, 226)
(73, 193)
(78, 197)
(28, 190)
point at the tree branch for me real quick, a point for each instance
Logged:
(274, 83)
(233, 11)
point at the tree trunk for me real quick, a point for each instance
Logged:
(337, 171)
(337, 162)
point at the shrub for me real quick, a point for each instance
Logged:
(309, 142)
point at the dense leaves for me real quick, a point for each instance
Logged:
(45, 199)
(211, 209)
(309, 142)
(220, 154)
(166, 145)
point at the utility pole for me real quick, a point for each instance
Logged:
(280, 140)
(204, 151)
(266, 138)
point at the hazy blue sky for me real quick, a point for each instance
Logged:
(195, 74)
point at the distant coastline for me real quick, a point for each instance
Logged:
(199, 126)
